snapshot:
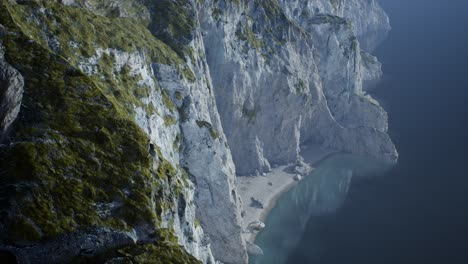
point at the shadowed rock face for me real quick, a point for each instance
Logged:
(121, 120)
(145, 111)
(11, 93)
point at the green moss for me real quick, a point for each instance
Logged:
(169, 120)
(217, 13)
(165, 251)
(88, 30)
(81, 32)
(75, 147)
(159, 253)
(166, 170)
(300, 86)
(213, 133)
(168, 101)
(191, 53)
(151, 110)
(271, 7)
(269, 30)
(173, 22)
(168, 234)
(246, 34)
(178, 95)
(197, 223)
(84, 151)
(130, 8)
(188, 74)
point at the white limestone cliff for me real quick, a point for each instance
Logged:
(290, 73)
(256, 80)
(279, 74)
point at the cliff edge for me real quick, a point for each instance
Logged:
(123, 123)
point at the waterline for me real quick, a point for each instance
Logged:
(319, 193)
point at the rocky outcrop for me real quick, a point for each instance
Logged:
(11, 93)
(256, 51)
(370, 23)
(128, 120)
(97, 141)
(256, 226)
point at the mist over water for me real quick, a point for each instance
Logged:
(416, 212)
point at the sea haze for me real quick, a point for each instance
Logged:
(418, 211)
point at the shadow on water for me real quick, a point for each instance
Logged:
(320, 193)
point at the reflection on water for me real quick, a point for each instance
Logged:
(322, 192)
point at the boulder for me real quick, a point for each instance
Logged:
(256, 225)
(302, 168)
(297, 177)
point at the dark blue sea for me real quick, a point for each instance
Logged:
(354, 210)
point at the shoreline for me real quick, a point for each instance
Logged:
(267, 189)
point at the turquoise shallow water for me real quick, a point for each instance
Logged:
(320, 193)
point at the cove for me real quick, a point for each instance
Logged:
(320, 193)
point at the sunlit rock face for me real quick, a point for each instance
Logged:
(292, 71)
(145, 111)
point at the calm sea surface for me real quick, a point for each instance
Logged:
(353, 210)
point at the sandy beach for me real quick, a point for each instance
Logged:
(268, 188)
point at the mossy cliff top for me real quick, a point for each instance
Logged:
(77, 33)
(75, 158)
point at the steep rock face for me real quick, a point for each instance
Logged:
(82, 165)
(151, 198)
(370, 22)
(358, 124)
(259, 80)
(205, 153)
(166, 90)
(132, 108)
(207, 158)
(256, 51)
(11, 93)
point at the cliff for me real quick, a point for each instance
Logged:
(123, 123)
